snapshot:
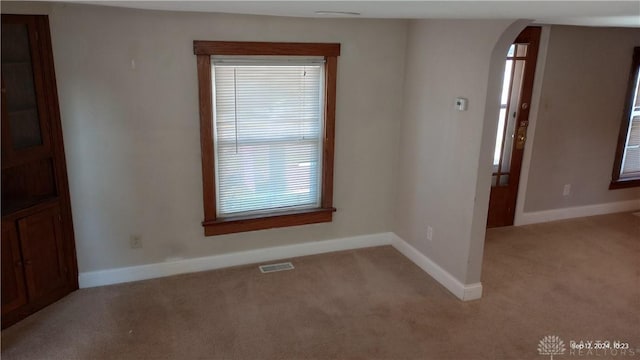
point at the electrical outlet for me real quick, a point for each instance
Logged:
(135, 242)
(429, 233)
(566, 191)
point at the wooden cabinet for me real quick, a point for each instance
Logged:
(38, 252)
(14, 291)
(42, 252)
(34, 270)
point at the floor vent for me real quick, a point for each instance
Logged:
(276, 267)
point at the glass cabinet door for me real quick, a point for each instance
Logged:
(28, 172)
(24, 113)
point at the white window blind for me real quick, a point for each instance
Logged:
(631, 156)
(268, 115)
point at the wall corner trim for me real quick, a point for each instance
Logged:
(464, 292)
(168, 268)
(535, 217)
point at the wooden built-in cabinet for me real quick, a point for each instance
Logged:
(14, 291)
(38, 252)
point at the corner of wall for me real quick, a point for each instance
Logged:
(464, 292)
(490, 123)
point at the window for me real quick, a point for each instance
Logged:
(267, 113)
(626, 167)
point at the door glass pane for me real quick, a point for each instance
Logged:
(18, 80)
(504, 179)
(504, 98)
(503, 112)
(512, 115)
(521, 50)
(498, 147)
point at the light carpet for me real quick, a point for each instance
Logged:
(577, 279)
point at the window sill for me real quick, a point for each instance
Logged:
(624, 183)
(238, 224)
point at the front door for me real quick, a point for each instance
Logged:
(512, 126)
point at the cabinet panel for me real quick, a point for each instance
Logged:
(43, 252)
(14, 292)
(24, 123)
(28, 184)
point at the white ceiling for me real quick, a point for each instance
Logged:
(590, 13)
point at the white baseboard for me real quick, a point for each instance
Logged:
(460, 290)
(156, 270)
(574, 212)
(150, 271)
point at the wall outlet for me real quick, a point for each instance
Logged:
(429, 233)
(566, 191)
(135, 242)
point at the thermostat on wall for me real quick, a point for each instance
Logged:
(461, 104)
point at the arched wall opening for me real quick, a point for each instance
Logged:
(490, 124)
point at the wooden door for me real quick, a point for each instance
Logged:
(512, 127)
(14, 293)
(43, 253)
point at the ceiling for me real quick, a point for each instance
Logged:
(589, 13)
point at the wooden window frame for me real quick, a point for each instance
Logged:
(214, 225)
(616, 181)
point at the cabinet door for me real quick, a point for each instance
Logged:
(42, 253)
(14, 292)
(24, 110)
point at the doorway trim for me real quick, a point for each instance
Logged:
(533, 120)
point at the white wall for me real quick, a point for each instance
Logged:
(440, 147)
(405, 158)
(582, 97)
(132, 135)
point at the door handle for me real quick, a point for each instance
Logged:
(521, 137)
